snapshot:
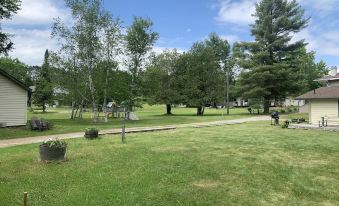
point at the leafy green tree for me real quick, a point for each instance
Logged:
(44, 90)
(139, 41)
(269, 71)
(222, 53)
(199, 78)
(17, 69)
(70, 81)
(111, 41)
(158, 80)
(310, 71)
(83, 43)
(117, 89)
(8, 9)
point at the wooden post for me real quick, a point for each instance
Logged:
(123, 131)
(25, 199)
(123, 137)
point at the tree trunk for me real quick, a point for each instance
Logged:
(43, 107)
(105, 95)
(92, 90)
(168, 109)
(200, 111)
(228, 91)
(72, 112)
(266, 105)
(81, 109)
(76, 113)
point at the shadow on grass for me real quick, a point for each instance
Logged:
(205, 115)
(44, 113)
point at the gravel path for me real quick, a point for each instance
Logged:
(36, 139)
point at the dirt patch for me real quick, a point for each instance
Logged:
(205, 184)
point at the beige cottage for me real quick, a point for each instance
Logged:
(324, 102)
(13, 101)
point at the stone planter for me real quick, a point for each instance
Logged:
(51, 153)
(91, 134)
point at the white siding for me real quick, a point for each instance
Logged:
(324, 108)
(13, 103)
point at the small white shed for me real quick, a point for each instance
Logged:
(13, 101)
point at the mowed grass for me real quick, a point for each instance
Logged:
(148, 116)
(245, 164)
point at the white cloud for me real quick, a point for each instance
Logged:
(320, 38)
(159, 50)
(236, 12)
(325, 44)
(35, 12)
(332, 36)
(30, 44)
(31, 29)
(322, 7)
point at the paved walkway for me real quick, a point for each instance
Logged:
(29, 140)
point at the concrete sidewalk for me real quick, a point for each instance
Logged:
(30, 140)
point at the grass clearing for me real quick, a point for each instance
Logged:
(244, 164)
(148, 115)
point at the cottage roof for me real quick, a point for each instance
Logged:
(321, 93)
(13, 79)
(328, 78)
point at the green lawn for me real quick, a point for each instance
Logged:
(246, 164)
(148, 115)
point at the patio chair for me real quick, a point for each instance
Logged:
(37, 124)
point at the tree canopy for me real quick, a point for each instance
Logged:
(139, 40)
(269, 70)
(158, 79)
(8, 9)
(44, 89)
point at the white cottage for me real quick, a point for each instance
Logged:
(323, 103)
(13, 101)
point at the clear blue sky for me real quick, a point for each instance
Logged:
(179, 23)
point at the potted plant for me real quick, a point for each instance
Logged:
(91, 133)
(52, 149)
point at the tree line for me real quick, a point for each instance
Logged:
(100, 61)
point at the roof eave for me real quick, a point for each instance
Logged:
(308, 98)
(15, 80)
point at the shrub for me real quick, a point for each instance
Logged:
(55, 143)
(285, 124)
(91, 130)
(283, 111)
(249, 110)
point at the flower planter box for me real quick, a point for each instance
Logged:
(48, 153)
(92, 134)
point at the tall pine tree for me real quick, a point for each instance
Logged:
(269, 70)
(44, 90)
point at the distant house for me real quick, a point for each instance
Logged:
(13, 101)
(323, 103)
